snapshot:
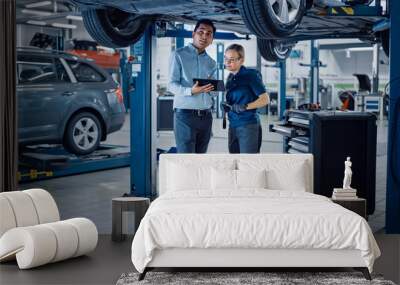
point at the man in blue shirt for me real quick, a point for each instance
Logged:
(192, 103)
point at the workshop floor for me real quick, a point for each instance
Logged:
(110, 259)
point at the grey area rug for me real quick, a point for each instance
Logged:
(243, 278)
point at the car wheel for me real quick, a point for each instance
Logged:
(271, 50)
(385, 35)
(114, 28)
(272, 18)
(83, 134)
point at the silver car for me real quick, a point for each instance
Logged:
(65, 99)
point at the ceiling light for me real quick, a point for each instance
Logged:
(36, 12)
(360, 49)
(38, 4)
(65, 26)
(74, 17)
(38, 23)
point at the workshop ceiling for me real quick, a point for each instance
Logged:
(51, 13)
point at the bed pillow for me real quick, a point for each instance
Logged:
(251, 178)
(224, 179)
(293, 178)
(187, 175)
(283, 174)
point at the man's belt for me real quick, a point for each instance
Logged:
(194, 111)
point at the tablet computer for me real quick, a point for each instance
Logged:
(218, 84)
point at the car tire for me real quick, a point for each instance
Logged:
(263, 19)
(271, 50)
(110, 27)
(83, 134)
(385, 36)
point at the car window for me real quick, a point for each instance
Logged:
(36, 73)
(84, 72)
(40, 70)
(62, 74)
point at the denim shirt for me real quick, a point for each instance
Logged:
(186, 63)
(244, 88)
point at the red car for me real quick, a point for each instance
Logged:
(108, 58)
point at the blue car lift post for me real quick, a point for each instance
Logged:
(314, 85)
(220, 76)
(179, 41)
(141, 156)
(314, 65)
(126, 77)
(282, 88)
(393, 154)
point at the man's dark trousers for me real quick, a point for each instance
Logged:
(192, 130)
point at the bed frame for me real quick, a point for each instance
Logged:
(242, 259)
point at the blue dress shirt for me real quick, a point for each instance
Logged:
(186, 64)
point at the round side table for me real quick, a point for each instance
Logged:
(138, 205)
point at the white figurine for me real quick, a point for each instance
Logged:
(347, 174)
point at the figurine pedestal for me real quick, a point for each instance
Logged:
(344, 194)
(344, 190)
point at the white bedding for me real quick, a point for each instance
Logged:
(251, 218)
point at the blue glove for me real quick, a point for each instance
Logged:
(239, 108)
(225, 107)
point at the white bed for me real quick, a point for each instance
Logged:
(230, 226)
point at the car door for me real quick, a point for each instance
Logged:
(43, 92)
(91, 86)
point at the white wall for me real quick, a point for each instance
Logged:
(80, 32)
(341, 68)
(162, 57)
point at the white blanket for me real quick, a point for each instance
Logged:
(253, 218)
